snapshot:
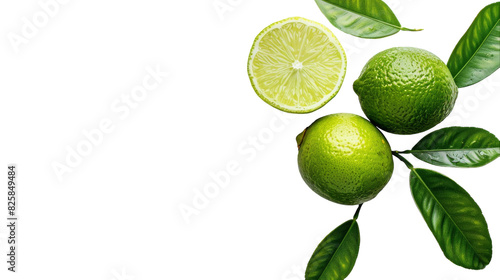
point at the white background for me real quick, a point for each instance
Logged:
(117, 215)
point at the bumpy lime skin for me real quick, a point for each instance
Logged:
(406, 90)
(344, 158)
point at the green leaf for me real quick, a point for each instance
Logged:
(477, 54)
(458, 147)
(362, 18)
(336, 254)
(453, 217)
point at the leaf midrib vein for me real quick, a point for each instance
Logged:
(447, 214)
(340, 245)
(452, 150)
(363, 15)
(477, 50)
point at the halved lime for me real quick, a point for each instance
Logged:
(296, 65)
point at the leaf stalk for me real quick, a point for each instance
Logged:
(401, 158)
(410, 29)
(355, 217)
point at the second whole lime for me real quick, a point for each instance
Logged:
(406, 90)
(344, 158)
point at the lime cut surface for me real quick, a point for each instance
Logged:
(296, 65)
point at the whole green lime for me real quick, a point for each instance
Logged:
(406, 90)
(344, 158)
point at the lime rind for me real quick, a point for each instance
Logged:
(338, 69)
(344, 158)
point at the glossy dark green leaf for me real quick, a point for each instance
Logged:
(336, 254)
(453, 217)
(458, 147)
(477, 54)
(361, 18)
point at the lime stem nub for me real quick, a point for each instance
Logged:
(300, 138)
